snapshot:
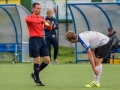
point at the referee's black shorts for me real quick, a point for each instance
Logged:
(102, 51)
(37, 47)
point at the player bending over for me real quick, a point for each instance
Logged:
(97, 46)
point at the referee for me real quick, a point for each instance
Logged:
(37, 44)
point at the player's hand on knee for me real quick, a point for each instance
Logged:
(96, 72)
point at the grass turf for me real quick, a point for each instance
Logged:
(57, 77)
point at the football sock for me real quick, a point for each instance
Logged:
(36, 71)
(96, 78)
(42, 66)
(55, 53)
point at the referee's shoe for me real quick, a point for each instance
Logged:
(38, 83)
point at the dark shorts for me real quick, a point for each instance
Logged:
(37, 47)
(102, 51)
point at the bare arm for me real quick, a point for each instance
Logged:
(93, 54)
(91, 57)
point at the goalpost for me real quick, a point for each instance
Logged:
(93, 17)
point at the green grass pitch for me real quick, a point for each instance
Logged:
(57, 77)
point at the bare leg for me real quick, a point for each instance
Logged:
(98, 68)
(98, 65)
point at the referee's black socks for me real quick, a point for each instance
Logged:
(42, 66)
(36, 71)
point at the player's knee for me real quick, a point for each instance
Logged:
(37, 60)
(98, 61)
(47, 59)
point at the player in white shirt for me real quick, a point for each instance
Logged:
(97, 46)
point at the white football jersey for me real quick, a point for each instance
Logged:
(92, 39)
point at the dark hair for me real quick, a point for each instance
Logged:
(34, 4)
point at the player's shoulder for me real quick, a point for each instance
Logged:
(84, 33)
(90, 32)
(28, 16)
(31, 16)
(42, 17)
(81, 36)
(87, 35)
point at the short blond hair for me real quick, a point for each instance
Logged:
(49, 10)
(70, 35)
